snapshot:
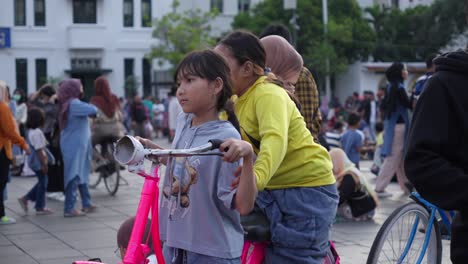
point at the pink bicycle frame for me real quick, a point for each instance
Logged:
(136, 252)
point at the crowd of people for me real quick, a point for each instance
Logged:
(57, 130)
(292, 159)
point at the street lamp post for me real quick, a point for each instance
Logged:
(327, 61)
(292, 4)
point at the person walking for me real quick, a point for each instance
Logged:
(8, 135)
(75, 143)
(396, 125)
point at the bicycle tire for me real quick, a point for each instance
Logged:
(112, 180)
(434, 251)
(94, 180)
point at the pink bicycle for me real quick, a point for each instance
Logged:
(129, 151)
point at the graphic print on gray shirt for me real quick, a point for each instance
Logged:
(197, 212)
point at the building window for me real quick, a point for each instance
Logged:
(146, 76)
(41, 72)
(84, 12)
(244, 5)
(128, 67)
(128, 13)
(146, 13)
(20, 12)
(39, 13)
(22, 74)
(396, 3)
(129, 78)
(216, 4)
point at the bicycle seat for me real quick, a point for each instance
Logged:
(256, 226)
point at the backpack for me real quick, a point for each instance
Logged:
(140, 114)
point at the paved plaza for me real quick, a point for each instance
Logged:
(53, 239)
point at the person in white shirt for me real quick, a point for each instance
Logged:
(158, 116)
(174, 110)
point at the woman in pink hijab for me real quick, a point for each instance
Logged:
(283, 60)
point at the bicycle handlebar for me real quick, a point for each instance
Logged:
(129, 151)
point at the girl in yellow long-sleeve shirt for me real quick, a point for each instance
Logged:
(294, 175)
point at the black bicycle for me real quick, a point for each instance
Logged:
(105, 167)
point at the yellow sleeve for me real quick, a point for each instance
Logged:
(273, 123)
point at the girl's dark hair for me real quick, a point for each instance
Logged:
(208, 65)
(393, 73)
(36, 118)
(47, 90)
(245, 46)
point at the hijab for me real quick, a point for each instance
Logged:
(104, 99)
(281, 57)
(68, 90)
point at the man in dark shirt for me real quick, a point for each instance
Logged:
(437, 155)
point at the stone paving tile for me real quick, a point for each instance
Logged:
(63, 260)
(4, 241)
(89, 239)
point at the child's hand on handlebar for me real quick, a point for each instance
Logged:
(148, 143)
(235, 149)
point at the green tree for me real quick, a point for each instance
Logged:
(412, 34)
(180, 33)
(349, 35)
(131, 85)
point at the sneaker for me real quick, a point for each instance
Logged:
(44, 211)
(91, 209)
(74, 213)
(5, 220)
(24, 204)
(383, 194)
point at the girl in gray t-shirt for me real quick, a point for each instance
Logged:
(204, 196)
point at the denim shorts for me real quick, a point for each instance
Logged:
(180, 256)
(300, 222)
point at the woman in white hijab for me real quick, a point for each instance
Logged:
(357, 199)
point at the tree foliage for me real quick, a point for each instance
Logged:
(349, 35)
(180, 33)
(412, 34)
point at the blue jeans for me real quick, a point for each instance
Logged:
(300, 222)
(179, 256)
(38, 192)
(70, 195)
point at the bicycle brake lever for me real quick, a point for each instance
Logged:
(215, 143)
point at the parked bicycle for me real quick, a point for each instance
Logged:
(412, 234)
(105, 167)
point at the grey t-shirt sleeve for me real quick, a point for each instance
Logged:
(225, 178)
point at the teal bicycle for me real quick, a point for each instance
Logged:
(412, 234)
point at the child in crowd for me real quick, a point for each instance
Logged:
(352, 141)
(202, 197)
(378, 148)
(334, 137)
(38, 162)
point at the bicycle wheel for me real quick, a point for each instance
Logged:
(95, 176)
(111, 174)
(394, 235)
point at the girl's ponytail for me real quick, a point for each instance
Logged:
(231, 115)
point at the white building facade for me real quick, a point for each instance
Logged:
(44, 39)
